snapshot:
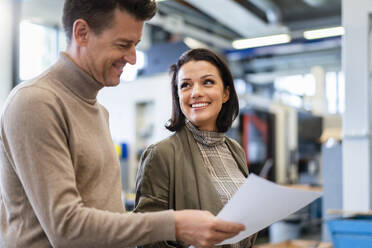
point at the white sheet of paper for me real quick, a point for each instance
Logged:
(259, 203)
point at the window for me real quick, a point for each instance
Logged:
(335, 92)
(291, 89)
(341, 92)
(331, 92)
(39, 47)
(301, 85)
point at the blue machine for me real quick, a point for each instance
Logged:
(351, 232)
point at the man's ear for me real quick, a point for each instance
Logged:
(80, 32)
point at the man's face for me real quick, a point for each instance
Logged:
(105, 55)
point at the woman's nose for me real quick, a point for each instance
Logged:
(196, 91)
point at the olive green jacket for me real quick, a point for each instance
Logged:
(171, 175)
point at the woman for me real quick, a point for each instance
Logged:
(198, 167)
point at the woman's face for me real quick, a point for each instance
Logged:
(201, 93)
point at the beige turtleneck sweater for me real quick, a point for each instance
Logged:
(59, 173)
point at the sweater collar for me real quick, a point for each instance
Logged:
(205, 137)
(76, 80)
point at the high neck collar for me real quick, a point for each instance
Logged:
(205, 137)
(76, 80)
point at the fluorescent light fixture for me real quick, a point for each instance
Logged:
(192, 43)
(324, 32)
(160, 0)
(261, 41)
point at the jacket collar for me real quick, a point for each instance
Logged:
(241, 162)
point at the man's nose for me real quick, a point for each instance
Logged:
(131, 57)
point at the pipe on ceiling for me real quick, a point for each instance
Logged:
(273, 13)
(315, 3)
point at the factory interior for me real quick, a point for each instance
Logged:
(302, 71)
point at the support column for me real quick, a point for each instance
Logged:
(6, 61)
(357, 119)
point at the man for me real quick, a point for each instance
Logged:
(60, 180)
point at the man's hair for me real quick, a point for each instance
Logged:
(99, 14)
(229, 110)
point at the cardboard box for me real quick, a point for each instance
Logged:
(296, 244)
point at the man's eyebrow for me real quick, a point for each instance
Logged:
(137, 42)
(127, 41)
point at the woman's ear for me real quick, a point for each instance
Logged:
(226, 94)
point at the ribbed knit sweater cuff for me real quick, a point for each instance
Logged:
(164, 226)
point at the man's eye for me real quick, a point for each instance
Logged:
(122, 46)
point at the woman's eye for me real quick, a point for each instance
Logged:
(184, 85)
(208, 82)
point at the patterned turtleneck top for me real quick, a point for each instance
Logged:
(220, 164)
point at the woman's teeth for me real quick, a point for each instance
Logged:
(199, 105)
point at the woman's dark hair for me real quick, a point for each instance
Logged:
(229, 110)
(99, 13)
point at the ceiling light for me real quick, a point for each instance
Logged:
(261, 41)
(160, 0)
(324, 32)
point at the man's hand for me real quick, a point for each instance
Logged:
(201, 228)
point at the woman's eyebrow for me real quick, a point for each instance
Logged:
(207, 75)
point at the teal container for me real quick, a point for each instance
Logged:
(353, 232)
